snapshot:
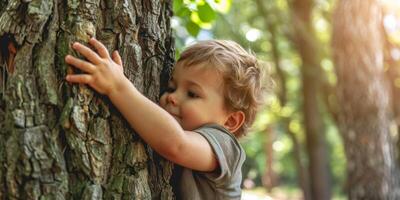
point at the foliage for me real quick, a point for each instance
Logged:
(191, 17)
(197, 14)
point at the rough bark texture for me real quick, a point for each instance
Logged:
(363, 95)
(62, 141)
(308, 47)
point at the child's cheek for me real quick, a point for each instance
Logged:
(162, 101)
(192, 117)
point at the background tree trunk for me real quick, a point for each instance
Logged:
(270, 178)
(62, 141)
(362, 90)
(307, 45)
(271, 19)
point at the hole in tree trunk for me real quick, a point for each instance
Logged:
(8, 50)
(7, 54)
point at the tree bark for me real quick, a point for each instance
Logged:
(307, 45)
(362, 90)
(62, 141)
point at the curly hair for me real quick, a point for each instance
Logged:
(243, 90)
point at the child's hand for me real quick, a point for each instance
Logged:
(104, 74)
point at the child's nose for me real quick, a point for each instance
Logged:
(171, 98)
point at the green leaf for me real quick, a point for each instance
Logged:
(192, 28)
(177, 5)
(181, 9)
(183, 12)
(206, 13)
(194, 17)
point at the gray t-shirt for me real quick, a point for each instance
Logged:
(223, 183)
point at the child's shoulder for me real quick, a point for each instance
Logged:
(224, 144)
(228, 177)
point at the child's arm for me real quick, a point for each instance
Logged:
(156, 126)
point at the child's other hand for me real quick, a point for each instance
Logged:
(103, 73)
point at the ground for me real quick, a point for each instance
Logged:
(275, 194)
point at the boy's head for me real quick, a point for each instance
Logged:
(235, 77)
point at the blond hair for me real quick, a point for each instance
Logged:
(241, 74)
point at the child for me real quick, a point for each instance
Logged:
(211, 99)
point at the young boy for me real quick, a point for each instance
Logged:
(211, 99)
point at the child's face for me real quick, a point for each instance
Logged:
(195, 97)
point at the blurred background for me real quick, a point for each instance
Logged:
(329, 127)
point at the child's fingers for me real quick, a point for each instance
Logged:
(117, 58)
(101, 49)
(87, 52)
(80, 64)
(79, 78)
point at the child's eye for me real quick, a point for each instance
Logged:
(192, 94)
(170, 89)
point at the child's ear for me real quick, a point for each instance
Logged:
(234, 121)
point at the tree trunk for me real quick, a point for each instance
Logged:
(270, 178)
(302, 172)
(308, 47)
(271, 25)
(62, 141)
(364, 116)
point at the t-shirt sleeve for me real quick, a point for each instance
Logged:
(227, 150)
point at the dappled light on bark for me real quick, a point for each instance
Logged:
(364, 119)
